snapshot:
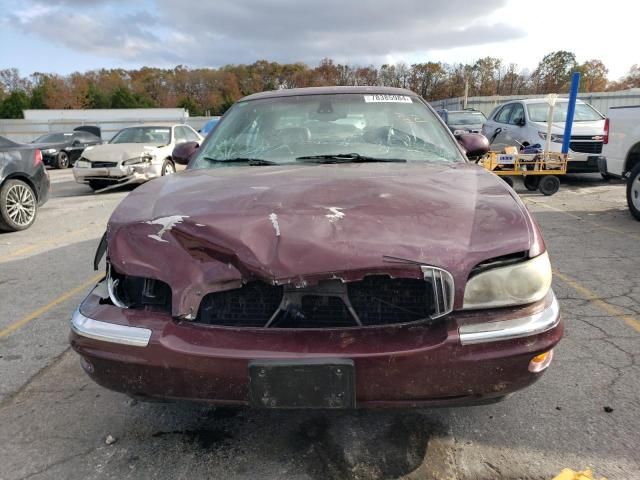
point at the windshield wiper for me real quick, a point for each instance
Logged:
(249, 161)
(347, 158)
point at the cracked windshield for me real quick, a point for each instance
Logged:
(329, 128)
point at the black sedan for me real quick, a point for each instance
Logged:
(61, 150)
(24, 185)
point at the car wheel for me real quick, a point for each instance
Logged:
(531, 182)
(62, 160)
(508, 181)
(18, 206)
(98, 184)
(168, 167)
(633, 192)
(549, 184)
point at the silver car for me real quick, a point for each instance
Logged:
(134, 155)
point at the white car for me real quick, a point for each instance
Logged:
(524, 123)
(134, 155)
(622, 151)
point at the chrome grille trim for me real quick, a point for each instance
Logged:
(443, 289)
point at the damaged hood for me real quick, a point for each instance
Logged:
(208, 230)
(118, 152)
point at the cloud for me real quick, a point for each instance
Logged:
(196, 32)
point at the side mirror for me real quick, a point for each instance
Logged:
(521, 122)
(75, 143)
(474, 144)
(183, 152)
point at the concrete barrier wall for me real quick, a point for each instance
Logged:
(24, 131)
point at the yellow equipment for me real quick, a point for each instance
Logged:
(568, 474)
(540, 170)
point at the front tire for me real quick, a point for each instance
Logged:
(62, 160)
(168, 167)
(633, 192)
(18, 206)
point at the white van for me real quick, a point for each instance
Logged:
(622, 151)
(524, 123)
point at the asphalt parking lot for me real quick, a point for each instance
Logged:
(585, 412)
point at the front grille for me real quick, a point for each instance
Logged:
(375, 300)
(104, 164)
(594, 147)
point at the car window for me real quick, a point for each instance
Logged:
(180, 135)
(517, 114)
(5, 142)
(86, 137)
(503, 115)
(584, 112)
(466, 118)
(148, 135)
(281, 129)
(190, 135)
(54, 138)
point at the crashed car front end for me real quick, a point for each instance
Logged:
(387, 288)
(138, 167)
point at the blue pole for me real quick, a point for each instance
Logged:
(571, 110)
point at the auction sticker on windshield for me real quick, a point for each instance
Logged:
(378, 98)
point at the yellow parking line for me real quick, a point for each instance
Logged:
(591, 296)
(62, 298)
(51, 241)
(577, 217)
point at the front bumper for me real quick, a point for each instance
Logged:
(590, 164)
(121, 174)
(467, 358)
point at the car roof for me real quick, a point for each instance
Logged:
(468, 110)
(290, 92)
(528, 101)
(154, 125)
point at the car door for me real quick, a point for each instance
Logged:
(515, 133)
(76, 146)
(496, 132)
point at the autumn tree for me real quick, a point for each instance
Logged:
(553, 73)
(593, 76)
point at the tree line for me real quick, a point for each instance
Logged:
(210, 91)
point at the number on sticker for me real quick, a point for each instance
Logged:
(381, 97)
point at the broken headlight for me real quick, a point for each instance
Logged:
(127, 291)
(517, 284)
(146, 158)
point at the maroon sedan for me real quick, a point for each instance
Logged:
(326, 248)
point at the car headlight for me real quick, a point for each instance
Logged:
(49, 151)
(555, 138)
(146, 158)
(82, 164)
(518, 284)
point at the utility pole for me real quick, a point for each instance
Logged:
(466, 92)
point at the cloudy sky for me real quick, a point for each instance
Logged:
(68, 35)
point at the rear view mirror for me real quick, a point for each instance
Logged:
(183, 152)
(474, 144)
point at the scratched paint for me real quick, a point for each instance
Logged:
(167, 224)
(274, 221)
(335, 214)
